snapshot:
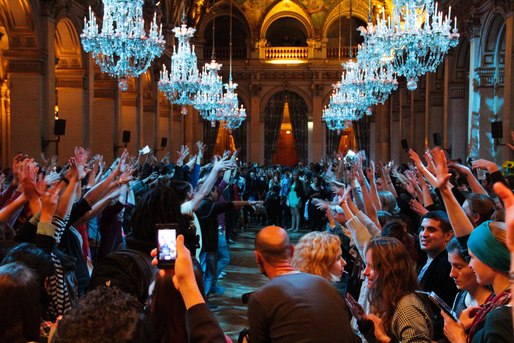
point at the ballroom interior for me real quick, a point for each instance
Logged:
(285, 56)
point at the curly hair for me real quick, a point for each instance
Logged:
(395, 276)
(104, 315)
(316, 252)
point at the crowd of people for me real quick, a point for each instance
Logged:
(77, 242)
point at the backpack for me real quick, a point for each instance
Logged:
(129, 270)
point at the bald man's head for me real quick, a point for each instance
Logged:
(272, 242)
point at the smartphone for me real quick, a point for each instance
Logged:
(166, 245)
(440, 303)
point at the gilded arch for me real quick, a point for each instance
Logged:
(287, 9)
(222, 10)
(493, 40)
(67, 45)
(359, 10)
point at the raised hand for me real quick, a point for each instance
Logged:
(417, 207)
(416, 159)
(430, 160)
(222, 164)
(49, 200)
(77, 171)
(28, 180)
(126, 175)
(441, 168)
(491, 167)
(460, 168)
(370, 172)
(506, 195)
(81, 155)
(184, 151)
(52, 178)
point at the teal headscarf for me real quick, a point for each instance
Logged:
(487, 248)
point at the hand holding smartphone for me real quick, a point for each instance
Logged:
(166, 245)
(356, 308)
(440, 303)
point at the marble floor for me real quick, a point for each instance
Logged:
(243, 276)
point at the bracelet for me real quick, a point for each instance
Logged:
(63, 178)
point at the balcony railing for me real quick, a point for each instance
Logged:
(286, 53)
(223, 53)
(344, 52)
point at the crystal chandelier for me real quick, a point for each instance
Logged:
(348, 101)
(210, 92)
(122, 48)
(229, 110)
(379, 79)
(417, 36)
(182, 82)
(335, 120)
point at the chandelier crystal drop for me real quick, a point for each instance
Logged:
(417, 37)
(122, 48)
(182, 82)
(210, 92)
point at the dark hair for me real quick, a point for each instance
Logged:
(396, 276)
(38, 261)
(19, 295)
(167, 309)
(399, 230)
(441, 217)
(454, 247)
(158, 205)
(482, 205)
(182, 188)
(104, 315)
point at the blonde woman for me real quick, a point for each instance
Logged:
(319, 253)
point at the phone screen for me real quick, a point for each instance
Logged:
(166, 245)
(440, 303)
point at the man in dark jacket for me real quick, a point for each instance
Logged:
(435, 233)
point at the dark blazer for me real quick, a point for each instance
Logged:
(437, 279)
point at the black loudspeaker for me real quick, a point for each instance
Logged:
(497, 129)
(126, 137)
(437, 139)
(405, 145)
(164, 142)
(59, 127)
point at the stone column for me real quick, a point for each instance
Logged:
(5, 125)
(473, 95)
(88, 94)
(255, 128)
(104, 117)
(25, 80)
(508, 88)
(316, 149)
(47, 91)
(70, 98)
